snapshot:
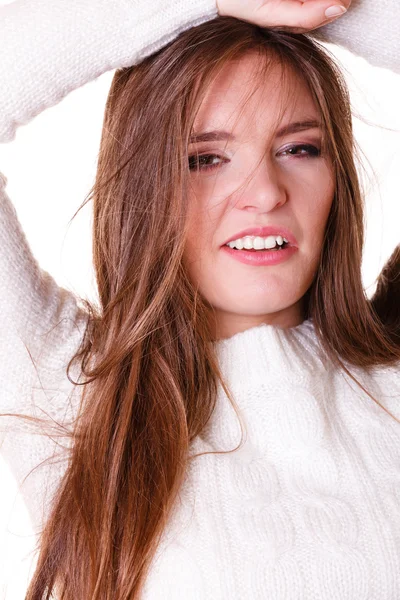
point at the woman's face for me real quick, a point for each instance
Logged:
(258, 176)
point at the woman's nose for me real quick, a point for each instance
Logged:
(264, 189)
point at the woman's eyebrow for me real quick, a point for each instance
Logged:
(219, 135)
(210, 136)
(298, 126)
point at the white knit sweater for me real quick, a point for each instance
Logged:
(310, 507)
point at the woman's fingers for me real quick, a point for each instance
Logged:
(294, 15)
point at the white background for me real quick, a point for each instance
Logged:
(50, 168)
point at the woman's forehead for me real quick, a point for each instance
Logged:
(245, 94)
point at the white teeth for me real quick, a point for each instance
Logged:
(257, 243)
(270, 242)
(248, 243)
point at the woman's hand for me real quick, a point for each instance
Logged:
(297, 16)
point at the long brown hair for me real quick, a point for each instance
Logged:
(151, 372)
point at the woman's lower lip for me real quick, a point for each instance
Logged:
(260, 258)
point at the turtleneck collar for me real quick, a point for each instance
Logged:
(257, 353)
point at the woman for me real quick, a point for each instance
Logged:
(219, 132)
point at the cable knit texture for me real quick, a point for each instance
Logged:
(309, 507)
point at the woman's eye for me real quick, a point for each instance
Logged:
(204, 162)
(307, 150)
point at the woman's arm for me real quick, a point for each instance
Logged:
(51, 47)
(370, 29)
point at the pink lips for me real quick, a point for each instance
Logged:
(260, 258)
(264, 232)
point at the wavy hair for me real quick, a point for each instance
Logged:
(150, 367)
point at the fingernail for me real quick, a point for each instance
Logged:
(335, 11)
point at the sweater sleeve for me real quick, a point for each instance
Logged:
(48, 49)
(369, 29)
